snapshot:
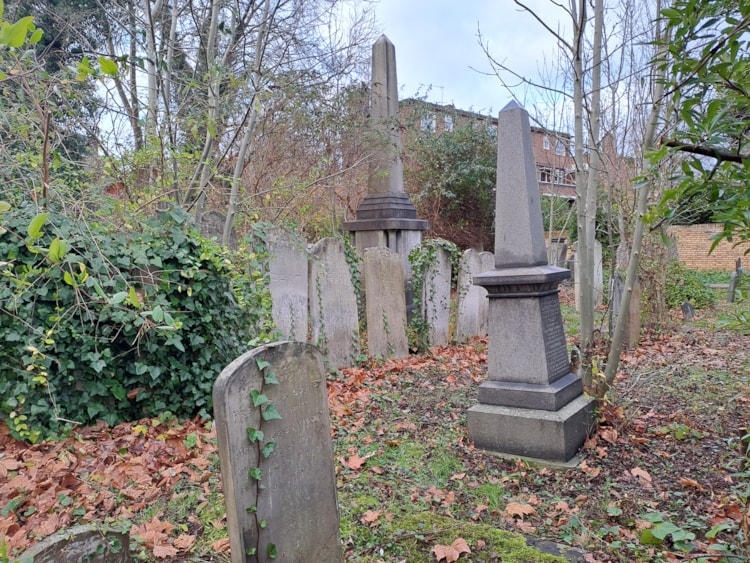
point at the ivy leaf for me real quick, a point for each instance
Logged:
(272, 554)
(262, 523)
(270, 378)
(67, 278)
(258, 398)
(261, 363)
(133, 298)
(254, 435)
(268, 449)
(255, 473)
(270, 413)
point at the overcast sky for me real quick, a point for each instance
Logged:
(437, 46)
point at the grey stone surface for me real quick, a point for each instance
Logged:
(471, 298)
(532, 404)
(298, 495)
(333, 304)
(287, 260)
(436, 298)
(541, 434)
(519, 235)
(90, 543)
(212, 226)
(557, 252)
(385, 303)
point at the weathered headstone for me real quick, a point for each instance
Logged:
(557, 252)
(333, 304)
(212, 226)
(470, 297)
(385, 304)
(89, 543)
(287, 262)
(280, 498)
(436, 297)
(532, 405)
(386, 217)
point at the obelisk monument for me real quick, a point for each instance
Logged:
(532, 405)
(386, 217)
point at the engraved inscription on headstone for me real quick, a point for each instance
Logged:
(296, 491)
(436, 298)
(471, 298)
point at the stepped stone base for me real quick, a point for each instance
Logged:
(535, 433)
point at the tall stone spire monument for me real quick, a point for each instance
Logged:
(386, 217)
(531, 405)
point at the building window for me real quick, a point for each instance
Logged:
(546, 143)
(545, 175)
(428, 122)
(559, 148)
(449, 123)
(559, 176)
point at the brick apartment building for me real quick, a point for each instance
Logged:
(553, 150)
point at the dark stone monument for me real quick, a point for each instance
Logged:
(386, 217)
(532, 404)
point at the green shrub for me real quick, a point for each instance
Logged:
(686, 285)
(114, 326)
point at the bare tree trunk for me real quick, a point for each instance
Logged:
(239, 165)
(631, 278)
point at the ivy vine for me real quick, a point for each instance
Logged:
(422, 258)
(264, 450)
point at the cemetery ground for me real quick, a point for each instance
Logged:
(658, 481)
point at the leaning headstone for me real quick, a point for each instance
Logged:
(276, 457)
(287, 263)
(212, 227)
(436, 297)
(333, 304)
(532, 404)
(88, 543)
(734, 282)
(471, 297)
(385, 303)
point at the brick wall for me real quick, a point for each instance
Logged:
(694, 241)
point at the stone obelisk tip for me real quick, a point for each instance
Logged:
(519, 233)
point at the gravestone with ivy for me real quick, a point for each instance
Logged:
(436, 296)
(287, 265)
(333, 303)
(385, 303)
(274, 437)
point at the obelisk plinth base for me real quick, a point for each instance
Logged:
(531, 404)
(553, 436)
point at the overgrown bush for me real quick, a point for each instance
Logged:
(686, 285)
(102, 325)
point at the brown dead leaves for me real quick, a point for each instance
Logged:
(452, 552)
(100, 474)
